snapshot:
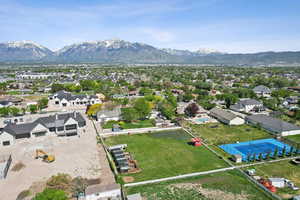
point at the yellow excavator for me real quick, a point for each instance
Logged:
(46, 158)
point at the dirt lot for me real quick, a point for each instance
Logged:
(77, 156)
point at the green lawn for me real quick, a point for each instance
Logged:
(223, 134)
(284, 169)
(127, 125)
(230, 185)
(295, 138)
(165, 154)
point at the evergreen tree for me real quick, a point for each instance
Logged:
(275, 155)
(283, 154)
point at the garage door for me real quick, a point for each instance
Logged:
(71, 133)
(6, 143)
(24, 135)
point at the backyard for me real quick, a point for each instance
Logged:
(165, 154)
(282, 169)
(230, 185)
(217, 134)
(295, 138)
(130, 125)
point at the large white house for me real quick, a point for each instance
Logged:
(262, 91)
(64, 99)
(248, 105)
(65, 124)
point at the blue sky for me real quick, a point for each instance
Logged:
(225, 25)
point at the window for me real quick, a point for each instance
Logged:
(38, 134)
(6, 143)
(71, 127)
(60, 128)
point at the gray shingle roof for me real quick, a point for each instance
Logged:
(249, 102)
(218, 112)
(261, 89)
(275, 124)
(49, 122)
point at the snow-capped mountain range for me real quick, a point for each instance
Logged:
(120, 51)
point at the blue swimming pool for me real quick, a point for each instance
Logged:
(256, 147)
(203, 119)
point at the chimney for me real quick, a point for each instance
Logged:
(75, 114)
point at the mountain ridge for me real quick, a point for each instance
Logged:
(121, 51)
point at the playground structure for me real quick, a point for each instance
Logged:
(196, 142)
(266, 183)
(46, 157)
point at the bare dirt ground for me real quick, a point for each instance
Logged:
(77, 156)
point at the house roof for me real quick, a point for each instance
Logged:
(48, 122)
(261, 89)
(69, 96)
(274, 123)
(98, 188)
(58, 120)
(218, 112)
(18, 129)
(246, 102)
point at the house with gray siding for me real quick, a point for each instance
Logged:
(273, 125)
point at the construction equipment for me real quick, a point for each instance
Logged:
(46, 158)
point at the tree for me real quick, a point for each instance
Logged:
(191, 110)
(60, 181)
(78, 185)
(187, 97)
(291, 151)
(167, 110)
(43, 103)
(4, 111)
(260, 157)
(275, 155)
(89, 84)
(33, 108)
(129, 114)
(230, 99)
(268, 155)
(283, 154)
(51, 194)
(57, 87)
(142, 107)
(14, 111)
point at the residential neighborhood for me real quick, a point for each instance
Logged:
(118, 113)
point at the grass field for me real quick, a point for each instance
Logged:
(125, 125)
(223, 134)
(230, 185)
(165, 154)
(282, 169)
(295, 138)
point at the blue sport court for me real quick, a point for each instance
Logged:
(256, 147)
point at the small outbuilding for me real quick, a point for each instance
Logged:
(237, 158)
(98, 191)
(278, 182)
